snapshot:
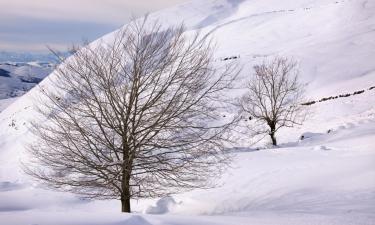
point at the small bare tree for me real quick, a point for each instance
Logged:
(137, 118)
(274, 96)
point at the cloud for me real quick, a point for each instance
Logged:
(29, 25)
(30, 34)
(109, 11)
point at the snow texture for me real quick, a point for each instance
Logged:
(327, 177)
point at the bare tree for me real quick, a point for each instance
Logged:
(274, 96)
(137, 118)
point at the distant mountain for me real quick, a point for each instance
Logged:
(25, 57)
(18, 78)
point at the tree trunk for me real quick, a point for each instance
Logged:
(125, 183)
(125, 195)
(272, 133)
(273, 138)
(125, 205)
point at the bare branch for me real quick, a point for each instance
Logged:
(134, 118)
(274, 96)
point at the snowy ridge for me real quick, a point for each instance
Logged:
(327, 178)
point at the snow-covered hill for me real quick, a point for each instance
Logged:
(328, 178)
(18, 78)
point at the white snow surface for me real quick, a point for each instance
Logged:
(327, 178)
(4, 103)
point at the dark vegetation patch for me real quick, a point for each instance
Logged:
(32, 80)
(358, 92)
(230, 58)
(4, 73)
(344, 95)
(309, 103)
(336, 97)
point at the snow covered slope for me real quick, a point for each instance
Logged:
(4, 103)
(328, 178)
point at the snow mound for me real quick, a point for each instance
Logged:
(163, 206)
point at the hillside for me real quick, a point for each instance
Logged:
(328, 178)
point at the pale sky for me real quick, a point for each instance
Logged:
(30, 25)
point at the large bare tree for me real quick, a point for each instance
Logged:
(274, 96)
(134, 118)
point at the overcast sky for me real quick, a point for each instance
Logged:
(30, 25)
